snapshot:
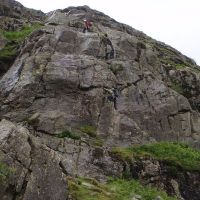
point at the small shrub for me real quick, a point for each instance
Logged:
(68, 134)
(90, 130)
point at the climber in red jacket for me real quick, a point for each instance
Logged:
(87, 25)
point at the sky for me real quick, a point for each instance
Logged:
(174, 22)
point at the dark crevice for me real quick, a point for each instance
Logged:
(31, 152)
(63, 168)
(45, 132)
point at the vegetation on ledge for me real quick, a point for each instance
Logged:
(14, 38)
(118, 189)
(69, 134)
(20, 35)
(89, 130)
(175, 154)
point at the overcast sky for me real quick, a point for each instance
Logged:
(175, 22)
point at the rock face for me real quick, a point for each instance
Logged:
(57, 82)
(14, 15)
(14, 18)
(59, 75)
(14, 9)
(37, 174)
(182, 185)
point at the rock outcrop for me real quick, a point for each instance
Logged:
(14, 15)
(15, 20)
(57, 83)
(36, 172)
(59, 76)
(14, 9)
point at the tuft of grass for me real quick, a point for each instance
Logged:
(124, 154)
(97, 142)
(118, 189)
(176, 154)
(90, 130)
(180, 66)
(5, 172)
(19, 36)
(68, 134)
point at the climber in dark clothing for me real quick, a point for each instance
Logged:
(105, 41)
(87, 25)
(113, 96)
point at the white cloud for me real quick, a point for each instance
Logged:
(175, 22)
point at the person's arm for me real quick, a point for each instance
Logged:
(108, 90)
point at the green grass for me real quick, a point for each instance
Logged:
(90, 130)
(20, 35)
(180, 66)
(69, 134)
(118, 189)
(5, 172)
(14, 38)
(173, 64)
(97, 142)
(175, 154)
(125, 154)
(8, 52)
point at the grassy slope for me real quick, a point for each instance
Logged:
(174, 153)
(118, 189)
(14, 39)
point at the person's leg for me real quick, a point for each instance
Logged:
(110, 98)
(115, 103)
(106, 53)
(112, 54)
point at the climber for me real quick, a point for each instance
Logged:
(87, 25)
(106, 42)
(113, 96)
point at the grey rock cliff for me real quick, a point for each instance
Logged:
(57, 82)
(59, 75)
(37, 174)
